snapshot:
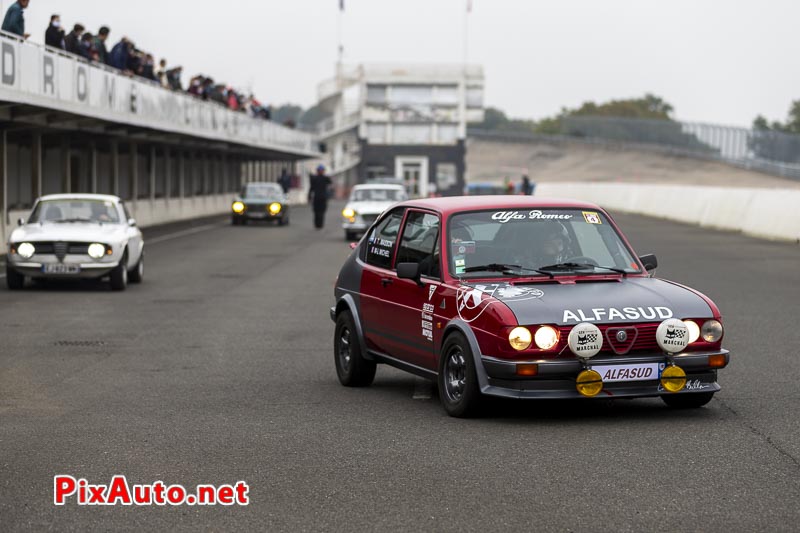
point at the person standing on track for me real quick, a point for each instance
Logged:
(318, 195)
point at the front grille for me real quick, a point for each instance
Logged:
(61, 249)
(645, 339)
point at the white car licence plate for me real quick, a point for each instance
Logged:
(634, 372)
(60, 268)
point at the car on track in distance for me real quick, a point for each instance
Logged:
(71, 236)
(260, 201)
(366, 203)
(525, 298)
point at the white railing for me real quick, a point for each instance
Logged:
(46, 77)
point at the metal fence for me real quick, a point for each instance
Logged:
(764, 151)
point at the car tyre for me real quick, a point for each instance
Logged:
(351, 367)
(458, 379)
(137, 274)
(235, 221)
(349, 236)
(688, 401)
(119, 276)
(14, 280)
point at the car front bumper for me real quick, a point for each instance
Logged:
(87, 267)
(556, 378)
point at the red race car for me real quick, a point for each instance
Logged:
(520, 298)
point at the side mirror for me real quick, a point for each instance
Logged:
(132, 222)
(408, 271)
(20, 222)
(649, 261)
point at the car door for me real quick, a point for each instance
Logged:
(409, 303)
(377, 274)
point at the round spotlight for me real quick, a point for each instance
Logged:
(96, 250)
(673, 379)
(589, 383)
(238, 207)
(520, 338)
(275, 208)
(694, 330)
(585, 340)
(712, 331)
(546, 337)
(348, 213)
(672, 335)
(26, 250)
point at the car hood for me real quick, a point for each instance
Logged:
(369, 208)
(73, 231)
(617, 301)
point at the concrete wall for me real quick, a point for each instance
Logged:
(760, 212)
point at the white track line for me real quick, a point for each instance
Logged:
(183, 233)
(167, 237)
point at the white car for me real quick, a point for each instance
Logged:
(366, 202)
(76, 236)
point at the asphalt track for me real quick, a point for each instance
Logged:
(219, 368)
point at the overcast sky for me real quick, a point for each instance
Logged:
(721, 61)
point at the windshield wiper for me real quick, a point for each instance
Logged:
(505, 269)
(576, 266)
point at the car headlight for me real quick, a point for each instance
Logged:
(26, 250)
(275, 208)
(694, 330)
(520, 338)
(546, 337)
(238, 207)
(96, 250)
(348, 213)
(712, 330)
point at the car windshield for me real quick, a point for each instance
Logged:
(536, 242)
(68, 211)
(261, 190)
(378, 195)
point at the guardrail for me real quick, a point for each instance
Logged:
(43, 76)
(769, 152)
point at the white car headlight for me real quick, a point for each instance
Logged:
(96, 250)
(26, 250)
(546, 337)
(712, 331)
(694, 330)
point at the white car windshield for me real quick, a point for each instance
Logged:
(378, 195)
(536, 242)
(261, 190)
(83, 210)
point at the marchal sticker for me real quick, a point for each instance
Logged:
(672, 335)
(585, 340)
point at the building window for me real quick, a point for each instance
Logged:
(446, 95)
(448, 133)
(376, 171)
(411, 134)
(376, 133)
(474, 96)
(376, 94)
(411, 94)
(446, 176)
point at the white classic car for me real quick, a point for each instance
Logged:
(366, 202)
(76, 236)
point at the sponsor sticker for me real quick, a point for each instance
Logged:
(592, 217)
(635, 372)
(598, 314)
(507, 216)
(460, 262)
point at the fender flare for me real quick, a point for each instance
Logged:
(462, 327)
(347, 302)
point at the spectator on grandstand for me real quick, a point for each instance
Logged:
(148, 67)
(54, 36)
(161, 73)
(72, 42)
(121, 53)
(87, 49)
(100, 45)
(174, 78)
(14, 21)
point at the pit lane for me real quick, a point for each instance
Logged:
(218, 368)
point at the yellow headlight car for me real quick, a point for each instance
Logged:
(260, 201)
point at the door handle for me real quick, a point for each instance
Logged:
(386, 281)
